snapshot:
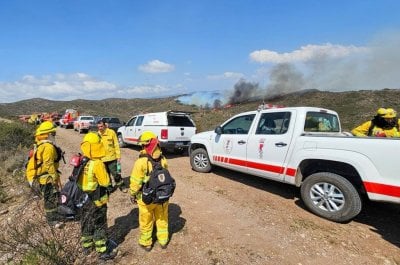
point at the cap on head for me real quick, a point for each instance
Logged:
(45, 127)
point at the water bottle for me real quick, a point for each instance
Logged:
(118, 167)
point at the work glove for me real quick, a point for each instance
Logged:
(133, 199)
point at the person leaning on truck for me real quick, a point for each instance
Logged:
(384, 124)
(112, 159)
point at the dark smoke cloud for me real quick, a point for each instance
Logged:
(284, 79)
(376, 67)
(244, 91)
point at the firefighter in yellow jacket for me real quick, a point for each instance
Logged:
(42, 167)
(113, 153)
(149, 213)
(384, 124)
(95, 181)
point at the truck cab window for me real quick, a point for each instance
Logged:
(239, 125)
(273, 123)
(321, 122)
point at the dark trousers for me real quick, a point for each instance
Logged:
(50, 197)
(94, 226)
(111, 167)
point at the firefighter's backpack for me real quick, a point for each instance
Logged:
(161, 184)
(72, 198)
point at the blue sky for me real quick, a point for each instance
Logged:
(95, 49)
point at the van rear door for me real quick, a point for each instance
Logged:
(179, 130)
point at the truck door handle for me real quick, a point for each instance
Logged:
(280, 144)
(241, 142)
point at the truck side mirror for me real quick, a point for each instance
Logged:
(218, 130)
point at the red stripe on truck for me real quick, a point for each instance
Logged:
(260, 166)
(382, 189)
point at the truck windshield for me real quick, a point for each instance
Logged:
(321, 122)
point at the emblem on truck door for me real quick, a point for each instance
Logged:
(260, 148)
(228, 146)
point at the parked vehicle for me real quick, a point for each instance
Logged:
(112, 122)
(173, 129)
(82, 123)
(67, 120)
(305, 147)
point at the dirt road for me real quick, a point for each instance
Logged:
(230, 218)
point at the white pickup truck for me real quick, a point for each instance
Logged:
(304, 146)
(173, 128)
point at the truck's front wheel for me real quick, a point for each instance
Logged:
(199, 161)
(121, 141)
(331, 196)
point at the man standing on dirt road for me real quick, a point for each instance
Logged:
(112, 159)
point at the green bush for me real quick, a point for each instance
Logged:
(14, 135)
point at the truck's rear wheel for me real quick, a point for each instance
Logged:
(331, 196)
(121, 141)
(200, 161)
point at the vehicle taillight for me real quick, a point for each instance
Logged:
(164, 133)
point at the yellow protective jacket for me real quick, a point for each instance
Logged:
(94, 180)
(363, 129)
(42, 165)
(140, 173)
(111, 145)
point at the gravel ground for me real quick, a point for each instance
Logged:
(226, 217)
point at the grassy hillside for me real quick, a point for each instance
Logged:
(353, 107)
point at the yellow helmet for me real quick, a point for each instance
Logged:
(92, 138)
(146, 137)
(45, 127)
(386, 113)
(92, 146)
(390, 113)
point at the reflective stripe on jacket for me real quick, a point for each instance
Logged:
(93, 178)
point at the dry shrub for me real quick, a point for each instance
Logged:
(27, 238)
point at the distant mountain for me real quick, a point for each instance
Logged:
(354, 107)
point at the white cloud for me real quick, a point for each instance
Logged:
(56, 87)
(226, 75)
(156, 66)
(148, 91)
(306, 53)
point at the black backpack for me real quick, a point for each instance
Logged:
(161, 184)
(72, 198)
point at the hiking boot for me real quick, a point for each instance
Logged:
(164, 246)
(146, 248)
(108, 255)
(121, 186)
(87, 251)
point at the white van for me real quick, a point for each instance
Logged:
(173, 128)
